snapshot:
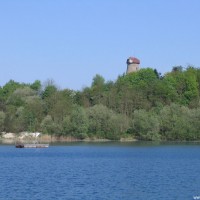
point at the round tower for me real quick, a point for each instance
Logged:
(132, 64)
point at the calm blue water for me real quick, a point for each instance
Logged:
(110, 171)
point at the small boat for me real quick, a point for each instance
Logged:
(19, 145)
(37, 145)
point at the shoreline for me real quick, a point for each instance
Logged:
(26, 137)
(12, 138)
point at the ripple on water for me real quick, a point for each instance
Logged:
(100, 172)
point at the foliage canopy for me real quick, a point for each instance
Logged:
(143, 105)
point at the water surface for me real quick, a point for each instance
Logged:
(111, 171)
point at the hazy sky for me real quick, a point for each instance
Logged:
(70, 41)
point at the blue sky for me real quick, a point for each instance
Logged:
(70, 41)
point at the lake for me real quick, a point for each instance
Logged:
(110, 171)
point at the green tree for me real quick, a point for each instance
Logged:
(9, 88)
(2, 120)
(146, 125)
(141, 79)
(20, 95)
(49, 126)
(36, 85)
(98, 116)
(98, 81)
(79, 122)
(49, 96)
(177, 123)
(66, 126)
(97, 89)
(183, 84)
(10, 119)
(118, 125)
(33, 113)
(84, 98)
(104, 123)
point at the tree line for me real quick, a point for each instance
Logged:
(144, 105)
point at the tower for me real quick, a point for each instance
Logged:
(132, 64)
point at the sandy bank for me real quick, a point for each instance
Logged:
(9, 138)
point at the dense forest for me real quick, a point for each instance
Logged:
(144, 105)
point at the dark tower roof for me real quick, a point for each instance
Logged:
(133, 60)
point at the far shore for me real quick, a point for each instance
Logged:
(12, 138)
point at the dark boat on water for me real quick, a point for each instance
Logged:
(19, 145)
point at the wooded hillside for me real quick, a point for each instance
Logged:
(144, 105)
